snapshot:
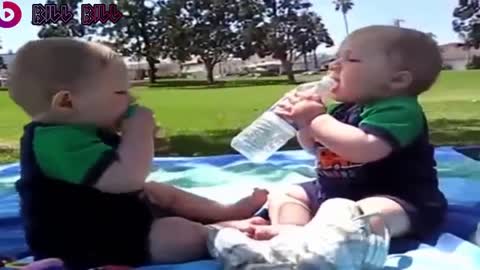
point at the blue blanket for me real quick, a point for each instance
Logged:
(226, 178)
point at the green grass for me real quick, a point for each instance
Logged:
(201, 119)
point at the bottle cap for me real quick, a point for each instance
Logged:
(130, 110)
(327, 83)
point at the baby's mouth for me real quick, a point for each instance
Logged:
(337, 80)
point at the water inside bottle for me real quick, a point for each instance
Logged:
(270, 132)
(263, 137)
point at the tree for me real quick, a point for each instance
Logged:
(289, 30)
(2, 62)
(137, 34)
(175, 39)
(474, 63)
(312, 36)
(398, 22)
(209, 29)
(344, 6)
(73, 28)
(467, 22)
(315, 59)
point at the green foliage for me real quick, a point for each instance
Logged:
(467, 22)
(289, 30)
(313, 34)
(214, 30)
(138, 33)
(343, 5)
(209, 29)
(60, 29)
(250, 23)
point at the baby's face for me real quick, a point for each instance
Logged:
(363, 72)
(108, 99)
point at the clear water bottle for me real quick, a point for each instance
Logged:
(270, 132)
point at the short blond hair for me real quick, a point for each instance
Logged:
(407, 49)
(42, 68)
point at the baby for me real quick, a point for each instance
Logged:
(82, 188)
(375, 164)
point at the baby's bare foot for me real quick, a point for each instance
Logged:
(245, 225)
(248, 206)
(267, 232)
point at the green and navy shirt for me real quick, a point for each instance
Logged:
(401, 122)
(63, 214)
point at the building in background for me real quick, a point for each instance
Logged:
(456, 56)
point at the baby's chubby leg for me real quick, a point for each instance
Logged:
(176, 240)
(393, 215)
(287, 207)
(201, 209)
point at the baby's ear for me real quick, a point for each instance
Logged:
(62, 101)
(401, 80)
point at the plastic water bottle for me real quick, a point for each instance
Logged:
(270, 132)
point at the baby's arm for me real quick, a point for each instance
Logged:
(135, 154)
(77, 154)
(348, 141)
(305, 139)
(384, 127)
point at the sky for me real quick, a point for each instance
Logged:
(426, 15)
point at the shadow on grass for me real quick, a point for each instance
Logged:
(201, 84)
(455, 132)
(215, 142)
(8, 154)
(443, 132)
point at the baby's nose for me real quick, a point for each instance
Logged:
(334, 65)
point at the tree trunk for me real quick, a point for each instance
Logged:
(305, 61)
(180, 69)
(469, 55)
(152, 70)
(346, 22)
(209, 69)
(220, 70)
(315, 59)
(287, 69)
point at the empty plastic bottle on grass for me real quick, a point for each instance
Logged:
(270, 132)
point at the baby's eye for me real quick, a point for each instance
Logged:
(121, 92)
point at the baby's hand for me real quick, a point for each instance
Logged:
(293, 97)
(302, 112)
(141, 119)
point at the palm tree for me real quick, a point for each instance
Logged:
(398, 22)
(344, 6)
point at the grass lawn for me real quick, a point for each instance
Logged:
(201, 120)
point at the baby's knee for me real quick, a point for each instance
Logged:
(392, 214)
(339, 207)
(290, 194)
